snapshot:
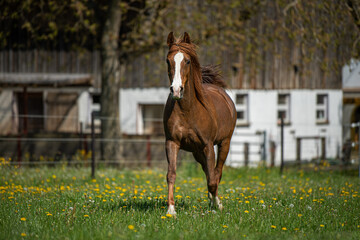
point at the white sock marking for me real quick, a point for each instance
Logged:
(171, 210)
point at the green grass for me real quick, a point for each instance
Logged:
(64, 203)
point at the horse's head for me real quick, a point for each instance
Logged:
(178, 65)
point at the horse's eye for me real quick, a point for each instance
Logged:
(187, 61)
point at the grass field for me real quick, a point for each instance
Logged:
(65, 203)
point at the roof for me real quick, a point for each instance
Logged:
(45, 80)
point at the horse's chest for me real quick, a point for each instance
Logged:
(186, 136)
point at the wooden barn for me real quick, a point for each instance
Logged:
(40, 90)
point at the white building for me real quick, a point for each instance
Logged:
(308, 114)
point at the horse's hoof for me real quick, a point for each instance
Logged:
(218, 203)
(220, 206)
(171, 210)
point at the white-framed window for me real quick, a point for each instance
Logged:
(150, 119)
(322, 108)
(242, 109)
(283, 110)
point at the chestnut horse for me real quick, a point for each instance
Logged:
(198, 115)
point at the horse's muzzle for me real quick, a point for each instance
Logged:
(177, 93)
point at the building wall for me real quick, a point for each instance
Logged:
(8, 124)
(262, 107)
(59, 113)
(263, 117)
(131, 99)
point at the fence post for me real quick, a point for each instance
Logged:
(263, 153)
(246, 154)
(92, 145)
(19, 153)
(282, 143)
(298, 151)
(323, 149)
(148, 151)
(272, 153)
(81, 136)
(358, 124)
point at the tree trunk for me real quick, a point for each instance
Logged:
(110, 84)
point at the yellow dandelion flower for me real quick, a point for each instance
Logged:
(247, 202)
(284, 229)
(86, 215)
(49, 214)
(299, 215)
(274, 199)
(131, 227)
(273, 226)
(261, 201)
(322, 225)
(23, 234)
(163, 217)
(224, 226)
(246, 211)
(169, 215)
(23, 219)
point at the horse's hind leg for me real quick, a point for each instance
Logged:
(223, 150)
(207, 161)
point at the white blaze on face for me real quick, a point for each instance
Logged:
(176, 84)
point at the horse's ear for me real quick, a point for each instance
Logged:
(170, 39)
(186, 38)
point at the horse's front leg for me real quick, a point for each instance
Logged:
(172, 150)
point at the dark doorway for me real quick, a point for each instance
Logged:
(31, 111)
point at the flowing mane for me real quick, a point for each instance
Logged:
(211, 74)
(208, 74)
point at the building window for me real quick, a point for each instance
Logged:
(283, 108)
(242, 112)
(151, 120)
(322, 108)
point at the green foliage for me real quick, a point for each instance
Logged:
(60, 203)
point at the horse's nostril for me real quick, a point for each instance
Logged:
(181, 88)
(171, 89)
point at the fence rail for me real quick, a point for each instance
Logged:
(245, 146)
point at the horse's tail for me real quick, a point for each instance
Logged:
(211, 74)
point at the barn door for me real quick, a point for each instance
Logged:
(31, 111)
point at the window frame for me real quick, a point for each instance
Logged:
(285, 107)
(242, 107)
(322, 107)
